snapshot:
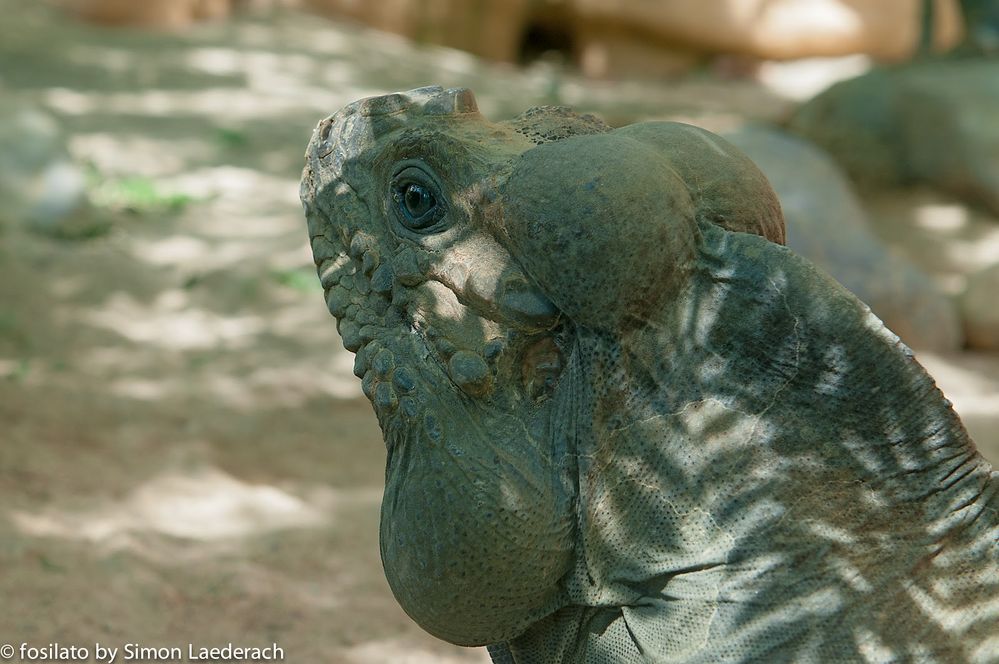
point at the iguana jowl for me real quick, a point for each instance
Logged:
(623, 422)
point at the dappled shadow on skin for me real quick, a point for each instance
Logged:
(777, 507)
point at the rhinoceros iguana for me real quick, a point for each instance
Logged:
(623, 423)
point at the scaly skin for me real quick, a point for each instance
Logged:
(624, 424)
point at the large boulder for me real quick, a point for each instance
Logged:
(931, 121)
(489, 28)
(149, 13)
(827, 224)
(638, 37)
(980, 311)
(782, 29)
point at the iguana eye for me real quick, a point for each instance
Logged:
(415, 195)
(417, 202)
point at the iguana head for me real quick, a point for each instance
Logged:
(459, 256)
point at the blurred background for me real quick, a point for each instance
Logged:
(185, 455)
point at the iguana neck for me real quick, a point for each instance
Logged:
(768, 443)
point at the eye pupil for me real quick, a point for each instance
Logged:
(418, 200)
(415, 197)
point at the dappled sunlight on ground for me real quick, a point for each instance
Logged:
(201, 504)
(131, 153)
(397, 652)
(244, 186)
(947, 237)
(171, 322)
(804, 78)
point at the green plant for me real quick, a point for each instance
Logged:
(300, 279)
(136, 194)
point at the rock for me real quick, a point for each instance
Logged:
(785, 29)
(608, 49)
(40, 185)
(489, 28)
(655, 39)
(150, 13)
(827, 224)
(947, 238)
(979, 311)
(932, 121)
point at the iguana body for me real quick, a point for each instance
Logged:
(624, 424)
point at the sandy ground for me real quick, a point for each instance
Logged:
(184, 454)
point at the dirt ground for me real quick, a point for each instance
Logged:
(185, 456)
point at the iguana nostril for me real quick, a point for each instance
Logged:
(325, 128)
(332, 271)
